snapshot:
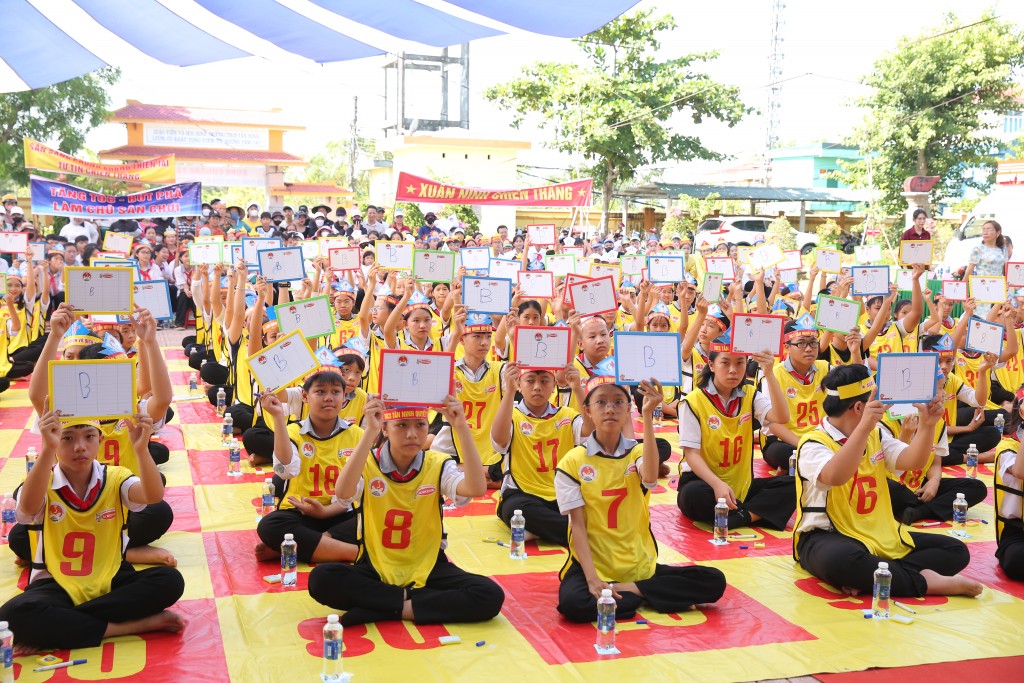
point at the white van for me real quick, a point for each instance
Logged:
(1005, 205)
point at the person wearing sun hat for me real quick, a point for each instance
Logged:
(716, 433)
(610, 541)
(402, 571)
(532, 435)
(844, 524)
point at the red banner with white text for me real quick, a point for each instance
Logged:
(413, 188)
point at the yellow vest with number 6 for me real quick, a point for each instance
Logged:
(727, 443)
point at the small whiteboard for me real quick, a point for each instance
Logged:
(155, 296)
(542, 348)
(904, 279)
(492, 296)
(344, 258)
(118, 241)
(594, 297)
(868, 253)
(914, 252)
(329, 242)
(281, 265)
(598, 269)
(283, 362)
(641, 356)
(1015, 274)
(725, 266)
(251, 247)
(100, 290)
(633, 264)
(753, 333)
(536, 284)
(313, 317)
(560, 265)
(416, 378)
(765, 256)
(205, 253)
(988, 290)
(954, 290)
(433, 266)
(836, 315)
(984, 337)
(870, 280)
(666, 269)
(13, 242)
(828, 260)
(570, 280)
(794, 260)
(504, 269)
(907, 377)
(541, 235)
(395, 255)
(476, 258)
(711, 289)
(95, 389)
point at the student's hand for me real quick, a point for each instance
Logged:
(272, 405)
(144, 324)
(893, 292)
(575, 324)
(311, 507)
(408, 287)
(241, 270)
(723, 490)
(932, 411)
(370, 281)
(61, 320)
(263, 289)
(517, 297)
(969, 307)
(511, 322)
(373, 415)
(510, 376)
(49, 428)
(459, 318)
(765, 360)
(572, 376)
(873, 410)
(453, 411)
(813, 273)
(928, 491)
(854, 339)
(702, 305)
(596, 585)
(919, 270)
(140, 429)
(455, 293)
(988, 361)
(910, 424)
(653, 396)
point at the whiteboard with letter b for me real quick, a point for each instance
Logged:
(641, 356)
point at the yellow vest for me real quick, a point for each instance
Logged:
(890, 341)
(537, 445)
(321, 462)
(116, 449)
(353, 410)
(5, 360)
(344, 330)
(804, 400)
(727, 443)
(401, 526)
(83, 550)
(617, 512)
(371, 380)
(1011, 375)
(243, 378)
(859, 508)
(20, 339)
(967, 369)
(912, 479)
(480, 401)
(1001, 490)
(437, 328)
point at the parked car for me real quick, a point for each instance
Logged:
(743, 230)
(1003, 205)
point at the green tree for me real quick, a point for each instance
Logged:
(614, 108)
(59, 115)
(933, 105)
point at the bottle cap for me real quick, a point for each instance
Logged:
(268, 480)
(973, 445)
(518, 512)
(881, 565)
(959, 496)
(289, 537)
(332, 618)
(721, 500)
(3, 625)
(606, 592)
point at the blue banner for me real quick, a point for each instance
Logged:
(50, 198)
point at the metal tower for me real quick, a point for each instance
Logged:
(401, 123)
(775, 59)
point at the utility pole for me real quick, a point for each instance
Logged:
(353, 146)
(775, 59)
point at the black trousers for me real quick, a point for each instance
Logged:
(671, 589)
(1010, 551)
(776, 453)
(941, 506)
(44, 616)
(773, 499)
(986, 437)
(214, 373)
(450, 595)
(19, 368)
(29, 354)
(144, 528)
(183, 305)
(308, 531)
(542, 516)
(259, 440)
(242, 415)
(845, 562)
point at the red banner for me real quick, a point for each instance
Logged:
(413, 188)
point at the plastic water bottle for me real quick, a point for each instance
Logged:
(971, 461)
(222, 400)
(227, 429)
(234, 458)
(605, 621)
(1000, 423)
(193, 383)
(333, 668)
(960, 512)
(659, 414)
(289, 562)
(6, 654)
(517, 546)
(721, 521)
(7, 520)
(792, 464)
(880, 593)
(30, 459)
(267, 499)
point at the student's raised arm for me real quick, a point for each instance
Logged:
(348, 480)
(473, 483)
(38, 388)
(32, 495)
(159, 379)
(236, 309)
(501, 428)
(256, 319)
(391, 324)
(369, 281)
(150, 488)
